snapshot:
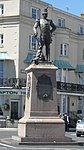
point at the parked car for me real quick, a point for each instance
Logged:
(80, 127)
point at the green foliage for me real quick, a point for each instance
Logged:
(6, 106)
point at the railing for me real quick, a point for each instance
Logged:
(70, 87)
(13, 82)
(61, 86)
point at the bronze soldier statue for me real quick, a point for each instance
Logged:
(47, 27)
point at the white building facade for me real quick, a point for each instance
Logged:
(18, 46)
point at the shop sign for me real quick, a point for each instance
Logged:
(11, 92)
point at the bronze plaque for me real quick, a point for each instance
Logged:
(44, 87)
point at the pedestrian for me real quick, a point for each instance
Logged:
(66, 119)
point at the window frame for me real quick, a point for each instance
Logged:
(61, 22)
(32, 42)
(35, 15)
(1, 9)
(1, 40)
(81, 29)
(64, 49)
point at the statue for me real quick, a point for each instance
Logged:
(47, 27)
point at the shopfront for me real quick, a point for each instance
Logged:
(12, 102)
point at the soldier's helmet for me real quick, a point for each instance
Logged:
(45, 11)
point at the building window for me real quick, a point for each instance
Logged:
(35, 13)
(64, 48)
(32, 43)
(61, 22)
(81, 30)
(1, 40)
(1, 9)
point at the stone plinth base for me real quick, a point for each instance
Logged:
(41, 122)
(42, 130)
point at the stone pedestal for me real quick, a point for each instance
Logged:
(41, 122)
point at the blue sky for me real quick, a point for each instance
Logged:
(72, 6)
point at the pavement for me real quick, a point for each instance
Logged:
(8, 129)
(14, 142)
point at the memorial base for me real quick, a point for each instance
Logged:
(41, 122)
(42, 130)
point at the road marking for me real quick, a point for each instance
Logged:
(41, 148)
(6, 145)
(32, 148)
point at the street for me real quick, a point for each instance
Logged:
(7, 133)
(73, 136)
(4, 147)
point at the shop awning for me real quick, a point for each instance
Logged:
(5, 56)
(29, 58)
(79, 68)
(63, 64)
